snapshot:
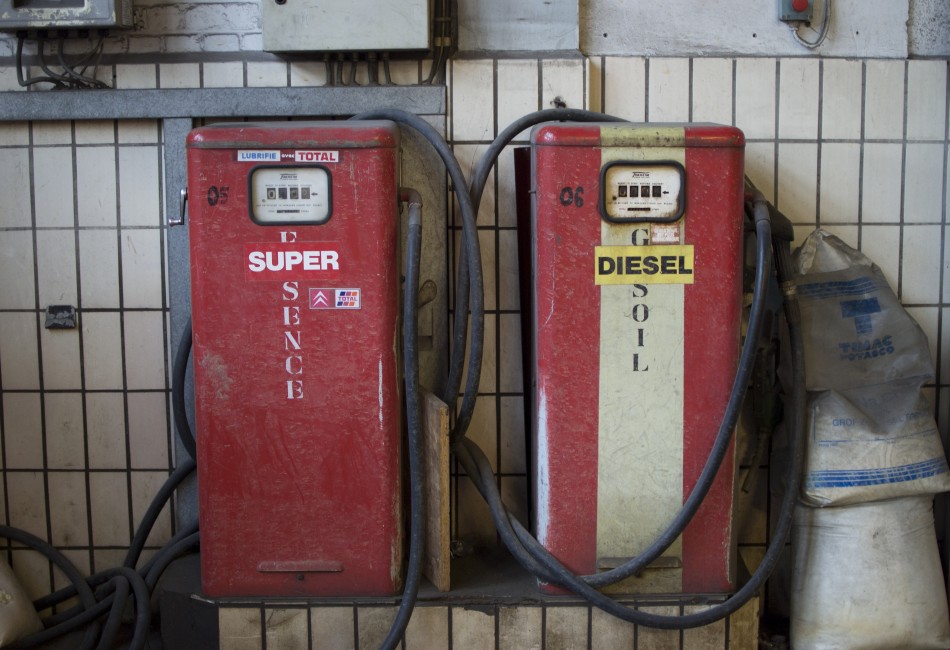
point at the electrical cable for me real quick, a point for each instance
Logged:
(20, 77)
(822, 31)
(95, 605)
(179, 372)
(413, 421)
(531, 554)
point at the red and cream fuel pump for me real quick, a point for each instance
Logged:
(295, 308)
(637, 254)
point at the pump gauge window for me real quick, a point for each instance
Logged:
(289, 195)
(642, 191)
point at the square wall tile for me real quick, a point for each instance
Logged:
(884, 100)
(16, 261)
(19, 354)
(926, 99)
(881, 186)
(138, 131)
(53, 186)
(513, 452)
(142, 268)
(373, 624)
(65, 433)
(841, 86)
(61, 367)
(52, 132)
(26, 493)
(239, 628)
(180, 75)
(22, 431)
(565, 79)
(797, 181)
(286, 627)
(56, 267)
(109, 503)
(266, 74)
(712, 90)
(102, 350)
(508, 276)
(145, 485)
(428, 629)
(507, 199)
(923, 179)
(468, 156)
(760, 167)
(840, 182)
(408, 72)
(474, 523)
(148, 430)
(660, 639)
(608, 631)
(332, 627)
(15, 189)
(755, 97)
(96, 175)
(483, 430)
(105, 430)
(95, 132)
(625, 90)
(882, 245)
(136, 76)
(67, 504)
(517, 91)
(471, 100)
(510, 375)
(520, 628)
(708, 636)
(472, 629)
(99, 269)
(33, 572)
(927, 318)
(139, 193)
(310, 73)
(669, 90)
(14, 133)
(920, 282)
(145, 350)
(566, 627)
(228, 74)
(798, 99)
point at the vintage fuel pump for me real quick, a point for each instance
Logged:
(638, 233)
(295, 307)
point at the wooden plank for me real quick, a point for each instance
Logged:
(436, 566)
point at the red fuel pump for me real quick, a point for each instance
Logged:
(295, 307)
(637, 304)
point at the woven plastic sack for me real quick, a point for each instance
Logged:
(872, 432)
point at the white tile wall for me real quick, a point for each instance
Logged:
(859, 146)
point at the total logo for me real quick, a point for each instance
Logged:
(326, 298)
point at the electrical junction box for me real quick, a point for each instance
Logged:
(795, 10)
(32, 15)
(345, 25)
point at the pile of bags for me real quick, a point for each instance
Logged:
(865, 568)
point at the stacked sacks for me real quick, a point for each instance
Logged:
(865, 569)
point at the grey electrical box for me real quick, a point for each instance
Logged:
(35, 15)
(795, 10)
(345, 25)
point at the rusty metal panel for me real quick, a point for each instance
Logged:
(293, 240)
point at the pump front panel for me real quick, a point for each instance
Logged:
(293, 235)
(637, 265)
